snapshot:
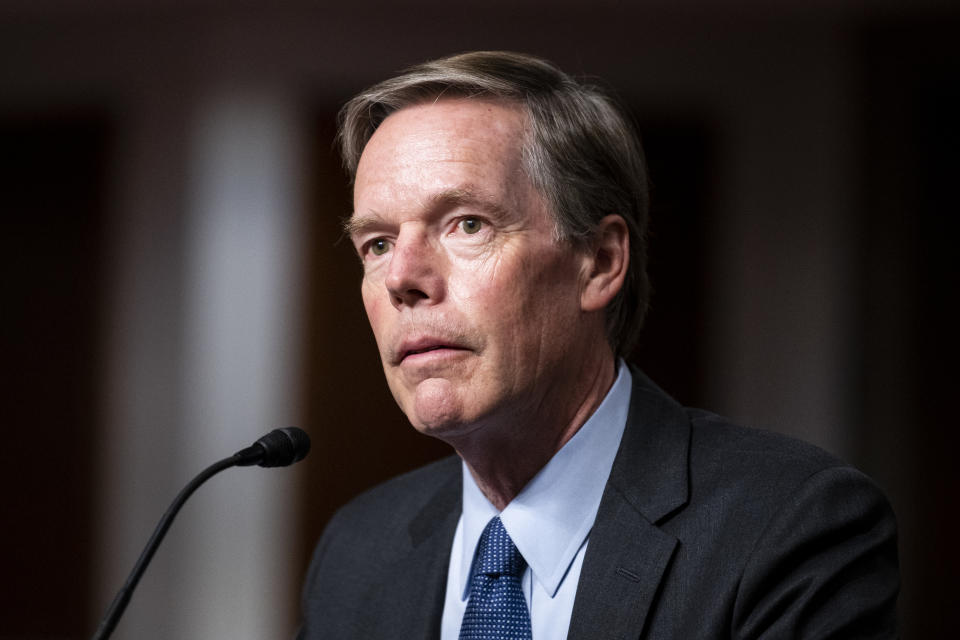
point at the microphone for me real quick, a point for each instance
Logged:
(279, 448)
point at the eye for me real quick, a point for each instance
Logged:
(379, 247)
(470, 225)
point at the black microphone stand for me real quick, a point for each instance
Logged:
(120, 602)
(279, 448)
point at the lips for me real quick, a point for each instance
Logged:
(416, 351)
(418, 346)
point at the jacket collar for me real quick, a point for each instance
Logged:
(628, 555)
(650, 470)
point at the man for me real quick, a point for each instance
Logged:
(499, 211)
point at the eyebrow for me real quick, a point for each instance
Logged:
(354, 226)
(444, 200)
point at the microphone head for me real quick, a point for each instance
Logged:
(282, 447)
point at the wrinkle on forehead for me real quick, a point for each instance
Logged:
(439, 155)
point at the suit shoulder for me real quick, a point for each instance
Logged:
(377, 523)
(395, 500)
(366, 539)
(717, 446)
(762, 472)
(717, 442)
(805, 540)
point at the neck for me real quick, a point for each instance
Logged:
(503, 460)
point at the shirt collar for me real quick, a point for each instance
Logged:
(549, 520)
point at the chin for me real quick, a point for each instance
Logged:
(459, 430)
(434, 401)
(437, 423)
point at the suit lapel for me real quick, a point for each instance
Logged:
(627, 554)
(626, 559)
(414, 585)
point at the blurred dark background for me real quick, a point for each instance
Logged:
(174, 281)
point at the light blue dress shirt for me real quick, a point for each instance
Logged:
(549, 521)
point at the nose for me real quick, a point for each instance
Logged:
(415, 274)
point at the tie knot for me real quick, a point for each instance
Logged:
(496, 553)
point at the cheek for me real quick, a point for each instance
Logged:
(487, 291)
(520, 298)
(376, 316)
(547, 282)
(549, 312)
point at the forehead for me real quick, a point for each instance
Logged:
(488, 120)
(442, 145)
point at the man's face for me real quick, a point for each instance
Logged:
(474, 305)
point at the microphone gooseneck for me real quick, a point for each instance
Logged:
(279, 448)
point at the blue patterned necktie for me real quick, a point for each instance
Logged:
(496, 609)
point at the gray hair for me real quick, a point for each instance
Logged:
(580, 151)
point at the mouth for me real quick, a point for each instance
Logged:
(420, 349)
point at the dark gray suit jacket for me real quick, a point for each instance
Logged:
(705, 530)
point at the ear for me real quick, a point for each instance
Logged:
(606, 265)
